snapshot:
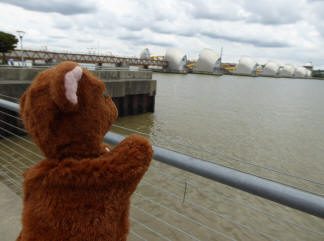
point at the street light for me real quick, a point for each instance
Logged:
(21, 35)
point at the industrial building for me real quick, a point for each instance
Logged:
(300, 72)
(287, 70)
(309, 66)
(246, 66)
(308, 73)
(145, 54)
(177, 59)
(271, 68)
(209, 61)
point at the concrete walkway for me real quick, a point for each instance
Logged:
(10, 213)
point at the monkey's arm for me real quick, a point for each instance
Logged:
(131, 158)
(123, 166)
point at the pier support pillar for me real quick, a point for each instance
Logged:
(135, 109)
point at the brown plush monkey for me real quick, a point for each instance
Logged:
(81, 191)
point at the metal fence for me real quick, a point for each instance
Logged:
(173, 204)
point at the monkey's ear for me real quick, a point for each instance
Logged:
(64, 89)
(71, 80)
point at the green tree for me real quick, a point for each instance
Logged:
(7, 42)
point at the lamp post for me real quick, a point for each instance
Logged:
(21, 35)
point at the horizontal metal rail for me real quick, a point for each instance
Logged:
(277, 192)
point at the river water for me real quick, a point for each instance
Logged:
(272, 122)
(269, 127)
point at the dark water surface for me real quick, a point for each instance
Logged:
(272, 122)
(269, 127)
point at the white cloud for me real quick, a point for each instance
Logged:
(287, 31)
(59, 6)
(275, 12)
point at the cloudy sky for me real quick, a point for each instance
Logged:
(289, 31)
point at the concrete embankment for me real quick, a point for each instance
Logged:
(169, 71)
(132, 91)
(10, 224)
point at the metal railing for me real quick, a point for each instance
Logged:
(216, 156)
(277, 192)
(147, 220)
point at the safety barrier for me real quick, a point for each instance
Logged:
(289, 196)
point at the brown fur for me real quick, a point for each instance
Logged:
(80, 192)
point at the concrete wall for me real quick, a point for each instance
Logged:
(123, 74)
(132, 91)
(11, 208)
(30, 73)
(18, 73)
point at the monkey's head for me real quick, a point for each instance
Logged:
(67, 111)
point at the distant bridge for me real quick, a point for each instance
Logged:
(49, 57)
